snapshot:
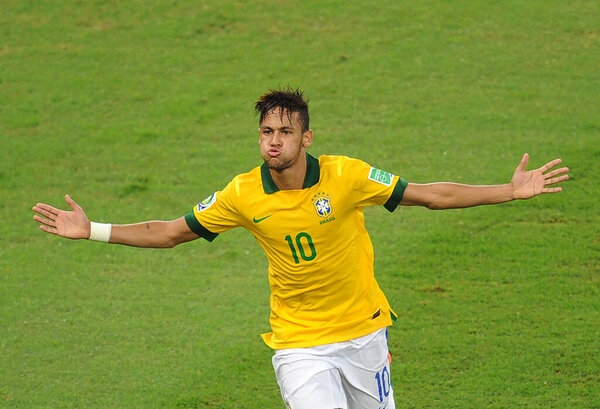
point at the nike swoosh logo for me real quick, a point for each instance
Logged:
(255, 220)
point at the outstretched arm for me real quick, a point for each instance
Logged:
(524, 185)
(74, 224)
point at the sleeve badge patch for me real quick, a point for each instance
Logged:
(206, 203)
(381, 176)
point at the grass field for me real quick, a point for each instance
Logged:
(140, 109)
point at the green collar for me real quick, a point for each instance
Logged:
(311, 178)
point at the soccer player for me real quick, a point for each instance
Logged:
(329, 317)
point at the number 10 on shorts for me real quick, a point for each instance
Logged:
(383, 383)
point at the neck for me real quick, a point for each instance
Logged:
(291, 178)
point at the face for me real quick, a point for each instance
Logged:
(282, 141)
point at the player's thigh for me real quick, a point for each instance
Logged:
(308, 382)
(324, 391)
(362, 398)
(366, 373)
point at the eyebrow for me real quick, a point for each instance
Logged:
(280, 127)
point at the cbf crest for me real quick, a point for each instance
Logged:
(322, 204)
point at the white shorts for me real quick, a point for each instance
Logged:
(353, 374)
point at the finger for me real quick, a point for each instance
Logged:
(524, 161)
(46, 222)
(46, 207)
(48, 229)
(45, 212)
(556, 180)
(550, 165)
(551, 189)
(556, 172)
(71, 203)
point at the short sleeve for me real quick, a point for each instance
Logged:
(214, 215)
(372, 186)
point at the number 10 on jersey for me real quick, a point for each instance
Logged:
(301, 242)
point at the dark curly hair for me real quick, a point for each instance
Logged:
(288, 100)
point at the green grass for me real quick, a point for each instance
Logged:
(141, 109)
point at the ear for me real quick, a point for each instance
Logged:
(307, 138)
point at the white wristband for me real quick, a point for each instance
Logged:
(100, 231)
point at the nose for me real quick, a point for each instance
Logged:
(276, 139)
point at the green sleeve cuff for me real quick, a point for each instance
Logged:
(199, 229)
(396, 196)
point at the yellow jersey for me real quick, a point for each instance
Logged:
(323, 288)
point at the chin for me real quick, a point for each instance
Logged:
(277, 165)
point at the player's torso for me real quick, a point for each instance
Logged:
(320, 255)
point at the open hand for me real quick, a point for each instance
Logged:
(72, 224)
(529, 183)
